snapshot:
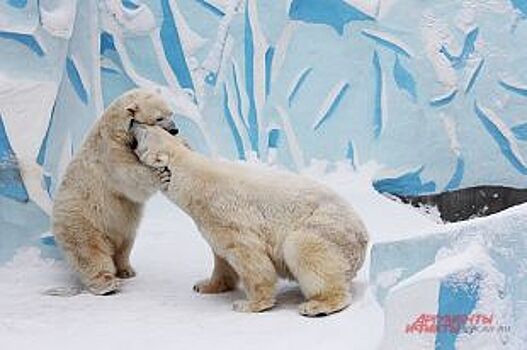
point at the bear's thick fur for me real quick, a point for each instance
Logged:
(98, 205)
(262, 224)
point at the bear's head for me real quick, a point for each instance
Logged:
(153, 144)
(149, 108)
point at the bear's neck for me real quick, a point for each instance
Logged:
(193, 179)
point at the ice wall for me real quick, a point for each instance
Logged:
(434, 91)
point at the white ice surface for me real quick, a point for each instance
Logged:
(159, 310)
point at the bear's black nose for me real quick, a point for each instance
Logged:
(173, 131)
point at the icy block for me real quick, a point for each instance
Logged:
(471, 275)
(21, 225)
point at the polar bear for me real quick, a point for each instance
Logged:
(99, 202)
(262, 224)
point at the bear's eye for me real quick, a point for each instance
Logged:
(159, 119)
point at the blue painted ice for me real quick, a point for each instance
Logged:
(520, 131)
(232, 125)
(469, 46)
(334, 13)
(76, 81)
(404, 79)
(387, 41)
(409, 183)
(502, 137)
(173, 47)
(520, 90)
(27, 40)
(17, 3)
(214, 9)
(473, 271)
(331, 104)
(520, 5)
(298, 85)
(287, 81)
(11, 183)
(474, 76)
(457, 177)
(443, 100)
(378, 122)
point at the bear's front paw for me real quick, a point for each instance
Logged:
(315, 308)
(253, 306)
(164, 175)
(126, 272)
(153, 158)
(212, 287)
(104, 283)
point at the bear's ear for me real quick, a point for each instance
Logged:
(132, 108)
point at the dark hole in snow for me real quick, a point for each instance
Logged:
(471, 202)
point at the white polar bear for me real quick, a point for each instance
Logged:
(261, 224)
(99, 203)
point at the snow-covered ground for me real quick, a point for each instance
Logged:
(159, 310)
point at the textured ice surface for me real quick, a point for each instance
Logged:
(487, 254)
(371, 74)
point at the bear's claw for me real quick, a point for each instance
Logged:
(127, 272)
(104, 283)
(252, 306)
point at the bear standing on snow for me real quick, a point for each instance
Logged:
(262, 224)
(98, 205)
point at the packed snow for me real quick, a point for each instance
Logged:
(158, 309)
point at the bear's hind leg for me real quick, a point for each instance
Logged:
(90, 255)
(320, 270)
(122, 259)
(257, 275)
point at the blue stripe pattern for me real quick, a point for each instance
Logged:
(232, 125)
(24, 39)
(172, 46)
(457, 177)
(474, 76)
(520, 131)
(457, 296)
(387, 43)
(298, 85)
(129, 4)
(522, 91)
(273, 138)
(409, 184)
(443, 100)
(404, 79)
(269, 55)
(249, 83)
(19, 4)
(11, 183)
(378, 123)
(76, 81)
(334, 105)
(213, 9)
(501, 140)
(333, 13)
